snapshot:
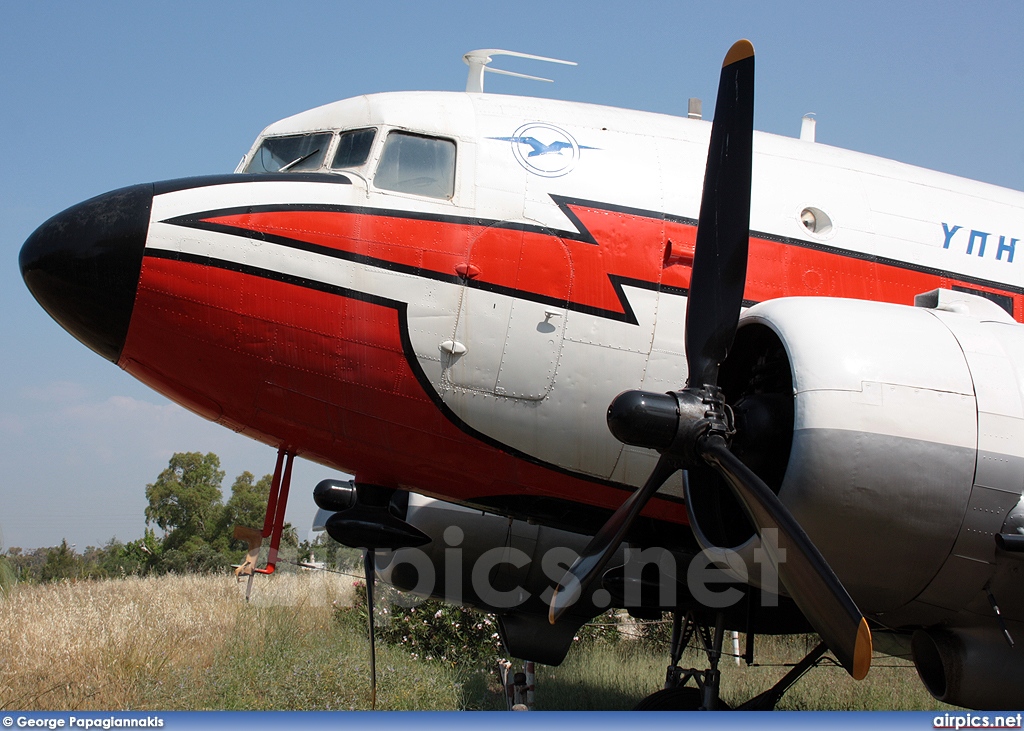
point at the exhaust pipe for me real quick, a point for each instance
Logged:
(972, 667)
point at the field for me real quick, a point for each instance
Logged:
(192, 643)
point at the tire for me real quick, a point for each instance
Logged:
(676, 699)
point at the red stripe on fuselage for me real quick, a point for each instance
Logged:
(615, 245)
(326, 374)
(301, 367)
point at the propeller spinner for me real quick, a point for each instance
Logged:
(694, 426)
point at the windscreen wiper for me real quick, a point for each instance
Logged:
(296, 161)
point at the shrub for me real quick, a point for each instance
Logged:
(431, 630)
(435, 631)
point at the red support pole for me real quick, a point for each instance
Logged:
(275, 487)
(277, 527)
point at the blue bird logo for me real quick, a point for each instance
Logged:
(538, 147)
(560, 150)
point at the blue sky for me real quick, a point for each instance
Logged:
(95, 96)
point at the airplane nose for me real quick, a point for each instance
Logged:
(83, 266)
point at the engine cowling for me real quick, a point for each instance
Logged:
(906, 452)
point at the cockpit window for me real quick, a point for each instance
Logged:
(296, 153)
(417, 164)
(353, 148)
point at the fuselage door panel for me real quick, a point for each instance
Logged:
(512, 315)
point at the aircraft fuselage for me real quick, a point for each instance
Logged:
(446, 297)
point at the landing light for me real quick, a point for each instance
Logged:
(816, 221)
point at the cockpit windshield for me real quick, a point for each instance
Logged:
(417, 164)
(294, 153)
(353, 148)
(409, 162)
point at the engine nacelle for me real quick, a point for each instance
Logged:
(907, 448)
(484, 560)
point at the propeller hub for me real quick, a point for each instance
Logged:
(644, 419)
(671, 423)
(702, 412)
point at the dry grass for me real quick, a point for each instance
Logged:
(110, 644)
(63, 645)
(192, 642)
(617, 676)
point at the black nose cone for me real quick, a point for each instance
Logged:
(83, 266)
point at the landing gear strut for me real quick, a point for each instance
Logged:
(677, 695)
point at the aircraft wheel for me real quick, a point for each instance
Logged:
(676, 699)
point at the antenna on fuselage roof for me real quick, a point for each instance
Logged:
(478, 60)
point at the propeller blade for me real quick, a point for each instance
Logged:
(716, 294)
(603, 546)
(368, 570)
(720, 257)
(804, 572)
(700, 422)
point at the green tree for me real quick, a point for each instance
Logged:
(136, 558)
(27, 565)
(186, 501)
(248, 502)
(248, 506)
(61, 563)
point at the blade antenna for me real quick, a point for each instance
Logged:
(477, 61)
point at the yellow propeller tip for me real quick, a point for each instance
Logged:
(862, 651)
(740, 50)
(552, 608)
